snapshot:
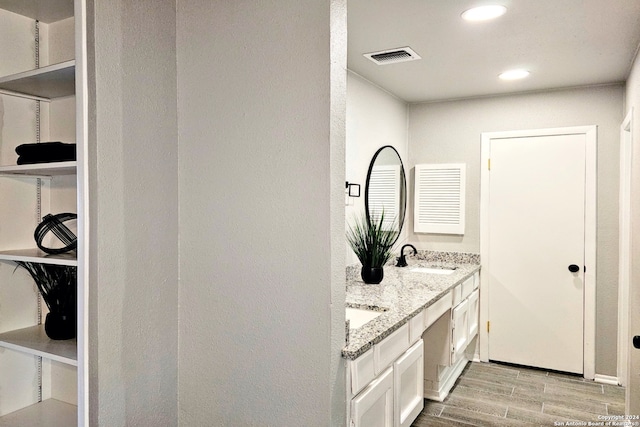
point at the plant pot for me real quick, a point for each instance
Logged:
(60, 326)
(372, 275)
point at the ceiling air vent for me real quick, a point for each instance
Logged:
(392, 56)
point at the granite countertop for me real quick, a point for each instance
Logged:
(402, 294)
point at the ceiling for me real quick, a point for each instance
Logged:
(563, 43)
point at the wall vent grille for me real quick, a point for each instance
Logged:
(392, 56)
(439, 198)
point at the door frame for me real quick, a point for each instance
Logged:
(590, 133)
(624, 239)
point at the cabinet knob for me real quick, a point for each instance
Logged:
(636, 341)
(574, 268)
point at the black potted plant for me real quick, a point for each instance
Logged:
(57, 285)
(371, 239)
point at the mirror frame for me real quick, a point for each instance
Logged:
(403, 190)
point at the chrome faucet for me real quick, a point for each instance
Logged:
(402, 261)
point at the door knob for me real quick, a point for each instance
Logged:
(574, 268)
(636, 341)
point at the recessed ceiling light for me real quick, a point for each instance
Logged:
(483, 13)
(514, 74)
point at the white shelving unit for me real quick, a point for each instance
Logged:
(46, 83)
(51, 394)
(38, 170)
(46, 170)
(47, 11)
(36, 255)
(33, 340)
(50, 413)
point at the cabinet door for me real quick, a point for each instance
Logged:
(408, 380)
(373, 407)
(459, 330)
(473, 314)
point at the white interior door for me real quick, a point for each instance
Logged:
(624, 250)
(536, 230)
(630, 315)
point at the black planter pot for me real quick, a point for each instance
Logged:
(59, 326)
(372, 275)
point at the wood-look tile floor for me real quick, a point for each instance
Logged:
(492, 394)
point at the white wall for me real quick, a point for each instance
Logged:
(259, 336)
(449, 132)
(60, 40)
(375, 118)
(337, 119)
(17, 115)
(633, 101)
(133, 183)
(260, 168)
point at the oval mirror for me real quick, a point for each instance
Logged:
(386, 190)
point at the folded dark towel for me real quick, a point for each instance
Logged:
(45, 152)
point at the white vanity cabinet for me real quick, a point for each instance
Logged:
(385, 383)
(459, 330)
(449, 340)
(408, 385)
(39, 377)
(474, 313)
(373, 407)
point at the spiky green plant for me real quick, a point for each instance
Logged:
(371, 241)
(56, 283)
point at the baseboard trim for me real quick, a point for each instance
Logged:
(606, 379)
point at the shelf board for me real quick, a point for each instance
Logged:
(34, 340)
(50, 412)
(47, 11)
(52, 81)
(40, 169)
(36, 255)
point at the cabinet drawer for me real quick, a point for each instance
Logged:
(416, 326)
(457, 295)
(362, 371)
(388, 350)
(467, 287)
(437, 309)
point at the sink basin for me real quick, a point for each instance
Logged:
(432, 270)
(359, 316)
